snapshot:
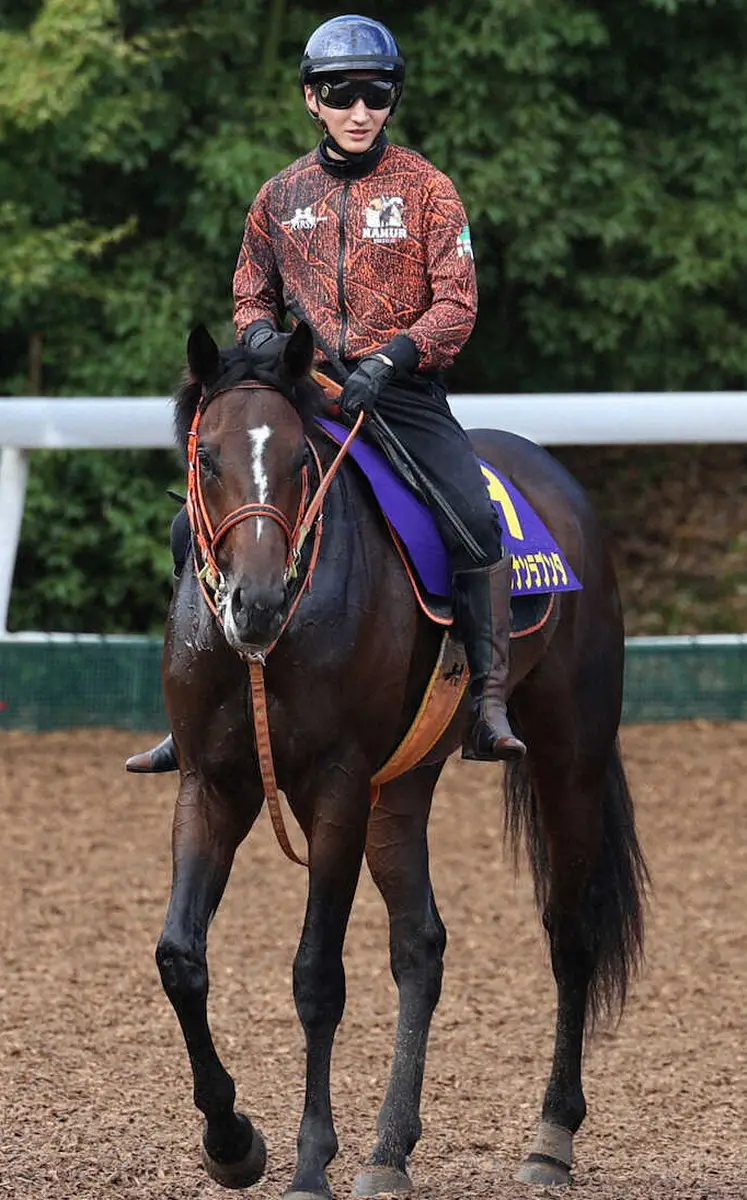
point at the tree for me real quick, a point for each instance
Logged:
(600, 149)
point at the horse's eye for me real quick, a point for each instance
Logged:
(208, 464)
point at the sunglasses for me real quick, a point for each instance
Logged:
(343, 93)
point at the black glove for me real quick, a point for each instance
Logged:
(366, 383)
(265, 345)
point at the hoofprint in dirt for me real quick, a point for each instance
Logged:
(94, 1080)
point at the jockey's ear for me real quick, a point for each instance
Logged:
(299, 351)
(202, 354)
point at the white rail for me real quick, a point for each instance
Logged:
(589, 418)
(563, 419)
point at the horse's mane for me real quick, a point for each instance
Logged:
(236, 364)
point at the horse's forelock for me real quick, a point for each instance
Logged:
(236, 366)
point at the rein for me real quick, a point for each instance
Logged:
(205, 543)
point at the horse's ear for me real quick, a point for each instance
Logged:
(203, 355)
(299, 351)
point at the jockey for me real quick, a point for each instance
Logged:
(370, 244)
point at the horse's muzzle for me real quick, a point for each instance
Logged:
(254, 614)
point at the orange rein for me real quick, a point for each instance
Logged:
(206, 540)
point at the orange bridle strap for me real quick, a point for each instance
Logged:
(206, 537)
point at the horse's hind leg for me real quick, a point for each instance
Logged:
(571, 800)
(206, 833)
(397, 853)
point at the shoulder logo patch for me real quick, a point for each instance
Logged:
(464, 243)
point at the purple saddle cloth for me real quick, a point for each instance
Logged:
(539, 564)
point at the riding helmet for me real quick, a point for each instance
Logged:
(352, 43)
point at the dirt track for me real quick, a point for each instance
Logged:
(95, 1095)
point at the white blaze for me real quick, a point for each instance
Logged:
(259, 438)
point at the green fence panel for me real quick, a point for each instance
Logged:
(680, 679)
(60, 681)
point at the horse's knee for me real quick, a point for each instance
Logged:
(318, 987)
(183, 970)
(416, 955)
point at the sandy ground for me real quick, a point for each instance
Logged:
(95, 1092)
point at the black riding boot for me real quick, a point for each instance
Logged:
(482, 599)
(151, 762)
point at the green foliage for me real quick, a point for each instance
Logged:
(95, 555)
(600, 148)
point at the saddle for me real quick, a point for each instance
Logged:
(540, 567)
(540, 570)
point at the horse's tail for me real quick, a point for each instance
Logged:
(613, 917)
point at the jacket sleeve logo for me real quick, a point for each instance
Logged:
(464, 243)
(384, 219)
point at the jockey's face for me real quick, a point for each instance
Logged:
(355, 128)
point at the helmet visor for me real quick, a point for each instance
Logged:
(343, 92)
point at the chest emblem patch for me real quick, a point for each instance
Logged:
(385, 220)
(303, 218)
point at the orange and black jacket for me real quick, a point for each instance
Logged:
(363, 260)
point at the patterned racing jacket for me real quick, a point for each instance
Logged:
(363, 260)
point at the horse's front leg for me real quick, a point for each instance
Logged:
(207, 830)
(397, 854)
(335, 854)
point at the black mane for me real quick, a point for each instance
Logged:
(236, 365)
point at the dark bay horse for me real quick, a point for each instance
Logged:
(342, 684)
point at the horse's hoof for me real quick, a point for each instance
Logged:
(544, 1173)
(380, 1181)
(245, 1171)
(306, 1196)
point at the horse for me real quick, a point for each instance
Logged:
(343, 666)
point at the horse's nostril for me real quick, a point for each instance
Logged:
(256, 611)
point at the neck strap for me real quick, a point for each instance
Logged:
(350, 165)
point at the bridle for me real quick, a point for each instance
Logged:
(205, 543)
(206, 539)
